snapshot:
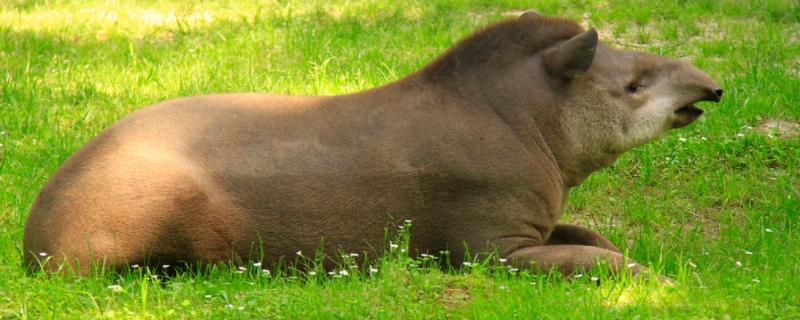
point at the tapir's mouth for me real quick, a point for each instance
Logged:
(686, 115)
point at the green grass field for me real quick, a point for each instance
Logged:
(715, 205)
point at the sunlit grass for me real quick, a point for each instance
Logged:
(714, 205)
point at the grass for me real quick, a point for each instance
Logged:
(715, 205)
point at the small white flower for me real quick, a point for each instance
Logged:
(503, 287)
(331, 272)
(747, 252)
(756, 280)
(631, 265)
(682, 139)
(344, 272)
(229, 306)
(768, 230)
(135, 266)
(704, 138)
(155, 276)
(299, 252)
(738, 263)
(668, 158)
(372, 270)
(533, 283)
(740, 134)
(115, 287)
(393, 245)
(594, 278)
(354, 254)
(43, 254)
(401, 227)
(578, 275)
(312, 273)
(208, 296)
(403, 250)
(265, 271)
(513, 269)
(424, 255)
(165, 266)
(502, 260)
(240, 308)
(407, 221)
(256, 264)
(467, 263)
(692, 264)
(240, 271)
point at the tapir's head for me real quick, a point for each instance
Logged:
(619, 99)
(611, 100)
(590, 102)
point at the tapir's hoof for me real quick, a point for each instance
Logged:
(667, 280)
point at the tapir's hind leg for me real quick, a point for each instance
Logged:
(140, 207)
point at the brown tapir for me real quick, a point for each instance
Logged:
(479, 148)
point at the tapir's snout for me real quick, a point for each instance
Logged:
(714, 94)
(709, 91)
(718, 92)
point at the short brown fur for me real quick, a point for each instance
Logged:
(479, 149)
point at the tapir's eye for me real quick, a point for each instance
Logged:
(633, 87)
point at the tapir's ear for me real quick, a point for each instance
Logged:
(530, 14)
(572, 57)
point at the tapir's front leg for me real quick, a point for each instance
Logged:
(572, 249)
(577, 235)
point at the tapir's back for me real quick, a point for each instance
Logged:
(213, 177)
(195, 179)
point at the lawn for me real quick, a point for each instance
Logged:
(715, 205)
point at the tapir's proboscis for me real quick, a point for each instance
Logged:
(479, 149)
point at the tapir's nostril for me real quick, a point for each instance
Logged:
(719, 92)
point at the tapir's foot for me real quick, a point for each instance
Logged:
(572, 259)
(667, 280)
(571, 249)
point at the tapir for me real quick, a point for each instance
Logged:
(479, 149)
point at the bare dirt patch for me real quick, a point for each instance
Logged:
(784, 129)
(454, 296)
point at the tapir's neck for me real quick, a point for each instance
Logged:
(535, 114)
(532, 115)
(530, 109)
(575, 165)
(584, 150)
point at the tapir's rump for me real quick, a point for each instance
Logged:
(479, 149)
